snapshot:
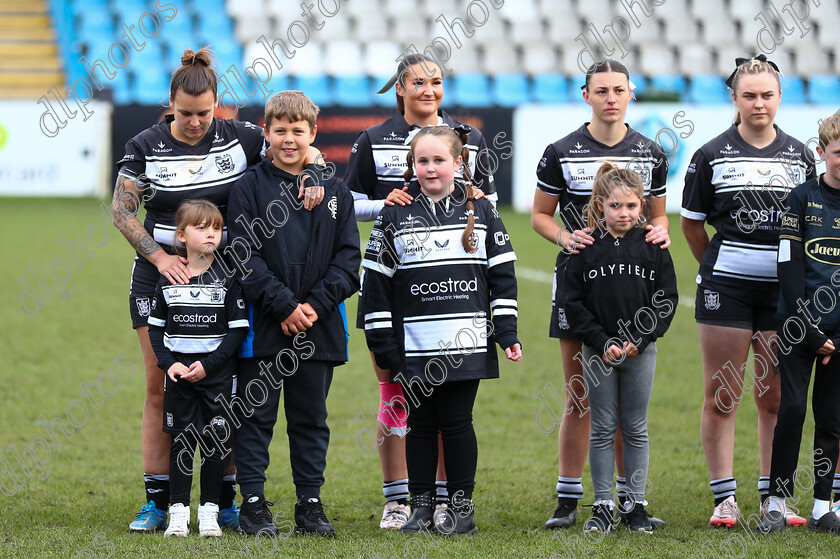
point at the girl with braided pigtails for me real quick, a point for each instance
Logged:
(440, 274)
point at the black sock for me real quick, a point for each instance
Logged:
(719, 500)
(157, 490)
(227, 498)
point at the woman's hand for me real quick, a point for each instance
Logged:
(613, 353)
(399, 196)
(827, 350)
(630, 349)
(658, 235)
(577, 241)
(173, 267)
(514, 352)
(477, 193)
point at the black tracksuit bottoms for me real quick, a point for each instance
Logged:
(305, 404)
(795, 369)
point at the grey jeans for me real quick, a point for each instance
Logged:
(616, 392)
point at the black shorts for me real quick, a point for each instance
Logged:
(748, 308)
(144, 279)
(194, 403)
(558, 324)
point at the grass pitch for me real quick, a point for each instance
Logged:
(72, 356)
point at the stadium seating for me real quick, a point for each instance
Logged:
(681, 46)
(824, 89)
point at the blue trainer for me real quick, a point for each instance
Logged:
(229, 518)
(149, 519)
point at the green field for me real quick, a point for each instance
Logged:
(79, 502)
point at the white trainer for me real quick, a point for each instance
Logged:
(179, 521)
(208, 521)
(394, 515)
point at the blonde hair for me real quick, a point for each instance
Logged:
(293, 105)
(457, 141)
(608, 178)
(195, 76)
(752, 67)
(196, 212)
(829, 130)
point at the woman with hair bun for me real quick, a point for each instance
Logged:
(190, 154)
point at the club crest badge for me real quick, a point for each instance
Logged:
(143, 306)
(562, 322)
(711, 299)
(224, 163)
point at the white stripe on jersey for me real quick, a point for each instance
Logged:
(731, 174)
(440, 243)
(380, 324)
(429, 334)
(189, 172)
(692, 215)
(374, 315)
(238, 323)
(501, 259)
(579, 172)
(733, 258)
(192, 344)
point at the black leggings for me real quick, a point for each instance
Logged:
(181, 467)
(448, 410)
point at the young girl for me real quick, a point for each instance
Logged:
(621, 294)
(195, 330)
(564, 178)
(434, 271)
(738, 182)
(375, 174)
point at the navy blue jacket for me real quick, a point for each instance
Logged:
(257, 215)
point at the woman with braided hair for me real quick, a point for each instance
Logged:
(440, 274)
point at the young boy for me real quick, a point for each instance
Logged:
(296, 267)
(809, 330)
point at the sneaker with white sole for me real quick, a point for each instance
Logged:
(602, 518)
(208, 521)
(179, 521)
(394, 515)
(791, 518)
(149, 519)
(726, 513)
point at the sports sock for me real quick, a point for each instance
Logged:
(569, 488)
(227, 497)
(820, 508)
(836, 487)
(396, 490)
(620, 488)
(157, 489)
(441, 492)
(776, 504)
(723, 488)
(764, 488)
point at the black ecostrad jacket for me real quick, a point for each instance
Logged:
(621, 289)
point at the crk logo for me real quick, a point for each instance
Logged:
(224, 163)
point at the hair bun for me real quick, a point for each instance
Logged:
(191, 58)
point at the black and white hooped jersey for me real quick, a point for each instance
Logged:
(427, 298)
(168, 171)
(196, 316)
(568, 166)
(377, 161)
(741, 191)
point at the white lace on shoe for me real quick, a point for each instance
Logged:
(440, 513)
(208, 520)
(179, 520)
(726, 513)
(394, 515)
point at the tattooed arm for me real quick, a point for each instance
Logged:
(124, 210)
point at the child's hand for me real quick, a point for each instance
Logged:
(195, 372)
(630, 349)
(399, 196)
(310, 312)
(296, 322)
(179, 370)
(827, 350)
(657, 235)
(612, 353)
(578, 240)
(514, 352)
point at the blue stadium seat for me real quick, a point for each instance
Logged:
(96, 27)
(217, 25)
(575, 93)
(387, 99)
(708, 90)
(642, 85)
(551, 88)
(179, 30)
(510, 89)
(793, 89)
(352, 91)
(673, 83)
(227, 52)
(277, 83)
(824, 89)
(152, 85)
(122, 88)
(472, 90)
(316, 87)
(81, 7)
